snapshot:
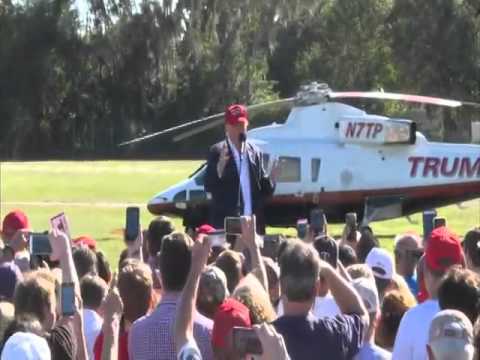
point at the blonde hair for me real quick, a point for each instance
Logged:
(357, 271)
(398, 283)
(251, 293)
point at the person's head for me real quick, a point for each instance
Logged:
(12, 222)
(471, 247)
(158, 228)
(26, 346)
(93, 290)
(367, 242)
(85, 261)
(394, 305)
(10, 275)
(236, 121)
(400, 284)
(327, 249)
(212, 291)
(252, 294)
(408, 250)
(174, 261)
(85, 241)
(103, 267)
(442, 251)
(450, 336)
(36, 295)
(460, 290)
(347, 255)
(135, 286)
(381, 263)
(360, 271)
(231, 264)
(273, 275)
(367, 290)
(299, 273)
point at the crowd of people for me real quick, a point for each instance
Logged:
(205, 295)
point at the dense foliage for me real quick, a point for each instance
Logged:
(74, 86)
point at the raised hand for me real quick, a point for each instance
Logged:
(222, 161)
(200, 253)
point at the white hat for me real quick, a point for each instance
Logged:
(26, 346)
(367, 290)
(451, 336)
(381, 263)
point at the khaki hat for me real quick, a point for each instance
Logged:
(367, 290)
(451, 336)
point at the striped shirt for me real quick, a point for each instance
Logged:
(152, 336)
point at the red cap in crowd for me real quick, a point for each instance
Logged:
(205, 229)
(86, 240)
(236, 114)
(14, 221)
(231, 313)
(443, 250)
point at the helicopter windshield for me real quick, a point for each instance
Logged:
(199, 175)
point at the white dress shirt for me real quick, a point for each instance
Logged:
(92, 324)
(244, 177)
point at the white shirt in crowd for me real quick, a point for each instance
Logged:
(244, 178)
(323, 307)
(412, 335)
(92, 324)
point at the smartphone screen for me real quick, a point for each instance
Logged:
(302, 228)
(439, 221)
(428, 217)
(271, 244)
(246, 341)
(233, 226)
(317, 221)
(67, 297)
(217, 239)
(39, 244)
(60, 223)
(351, 224)
(132, 226)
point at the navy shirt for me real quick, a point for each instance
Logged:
(308, 337)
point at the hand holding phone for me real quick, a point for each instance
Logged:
(132, 226)
(439, 222)
(246, 341)
(351, 225)
(233, 226)
(302, 228)
(318, 221)
(39, 244)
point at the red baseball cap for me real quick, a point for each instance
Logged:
(229, 314)
(205, 229)
(443, 250)
(14, 221)
(236, 114)
(86, 240)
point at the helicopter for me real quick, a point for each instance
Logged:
(339, 158)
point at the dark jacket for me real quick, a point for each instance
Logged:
(225, 190)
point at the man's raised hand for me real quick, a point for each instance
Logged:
(200, 253)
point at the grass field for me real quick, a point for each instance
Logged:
(94, 196)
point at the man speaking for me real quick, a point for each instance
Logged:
(235, 175)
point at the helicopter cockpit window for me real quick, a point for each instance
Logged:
(180, 196)
(289, 169)
(198, 195)
(315, 169)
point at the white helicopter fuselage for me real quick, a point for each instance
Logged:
(342, 159)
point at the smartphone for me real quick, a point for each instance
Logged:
(67, 297)
(39, 244)
(428, 217)
(60, 223)
(246, 341)
(302, 228)
(217, 238)
(132, 226)
(439, 221)
(351, 224)
(233, 226)
(317, 221)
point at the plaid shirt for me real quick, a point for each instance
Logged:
(152, 336)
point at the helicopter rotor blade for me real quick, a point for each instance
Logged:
(169, 130)
(200, 129)
(402, 97)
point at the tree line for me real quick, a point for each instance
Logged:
(75, 85)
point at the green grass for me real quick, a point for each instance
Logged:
(135, 182)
